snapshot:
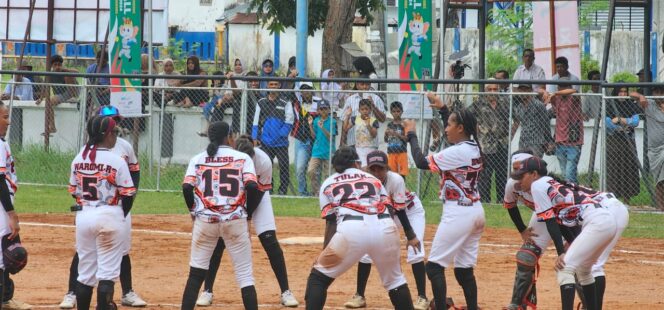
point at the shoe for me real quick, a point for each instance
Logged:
(111, 306)
(422, 303)
(132, 299)
(355, 302)
(69, 301)
(14, 304)
(288, 300)
(205, 299)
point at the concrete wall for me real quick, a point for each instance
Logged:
(191, 16)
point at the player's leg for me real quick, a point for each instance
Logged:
(110, 244)
(284, 169)
(416, 216)
(86, 248)
(203, 241)
(205, 298)
(129, 296)
(236, 238)
(363, 271)
(527, 262)
(466, 258)
(69, 300)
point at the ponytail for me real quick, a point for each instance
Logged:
(212, 149)
(98, 128)
(469, 122)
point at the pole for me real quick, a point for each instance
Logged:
(482, 24)
(161, 132)
(607, 40)
(27, 33)
(443, 22)
(150, 90)
(48, 107)
(552, 29)
(302, 29)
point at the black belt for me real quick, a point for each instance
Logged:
(361, 217)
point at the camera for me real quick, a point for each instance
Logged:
(458, 69)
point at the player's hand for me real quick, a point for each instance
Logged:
(435, 101)
(409, 125)
(13, 224)
(415, 244)
(527, 235)
(560, 262)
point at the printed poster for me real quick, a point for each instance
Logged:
(125, 55)
(566, 36)
(415, 49)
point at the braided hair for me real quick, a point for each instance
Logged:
(467, 119)
(98, 128)
(217, 133)
(245, 144)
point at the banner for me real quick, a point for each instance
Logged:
(415, 46)
(566, 36)
(125, 55)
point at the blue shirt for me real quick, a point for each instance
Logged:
(104, 69)
(321, 148)
(23, 90)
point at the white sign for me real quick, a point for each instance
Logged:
(128, 103)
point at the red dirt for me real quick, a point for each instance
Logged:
(160, 267)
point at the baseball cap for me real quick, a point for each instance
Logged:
(377, 158)
(323, 104)
(520, 157)
(529, 165)
(109, 110)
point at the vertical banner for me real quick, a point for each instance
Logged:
(414, 37)
(125, 54)
(565, 35)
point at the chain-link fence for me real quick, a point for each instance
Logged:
(300, 126)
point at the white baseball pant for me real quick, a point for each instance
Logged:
(457, 239)
(263, 217)
(621, 215)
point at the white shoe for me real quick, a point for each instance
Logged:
(69, 301)
(205, 299)
(132, 299)
(421, 304)
(288, 300)
(355, 302)
(14, 304)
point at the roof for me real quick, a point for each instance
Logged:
(244, 18)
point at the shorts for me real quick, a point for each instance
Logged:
(398, 162)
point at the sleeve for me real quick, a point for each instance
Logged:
(398, 193)
(248, 171)
(633, 121)
(652, 110)
(540, 74)
(30, 94)
(419, 158)
(72, 180)
(509, 199)
(264, 173)
(8, 89)
(375, 124)
(132, 161)
(190, 176)
(290, 116)
(327, 205)
(543, 204)
(254, 127)
(123, 180)
(384, 197)
(447, 159)
(610, 126)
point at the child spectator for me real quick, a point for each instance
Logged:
(222, 100)
(397, 151)
(321, 127)
(365, 130)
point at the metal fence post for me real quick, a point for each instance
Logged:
(244, 109)
(419, 171)
(602, 157)
(83, 111)
(11, 107)
(509, 133)
(161, 132)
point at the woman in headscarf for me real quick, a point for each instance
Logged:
(194, 96)
(329, 90)
(267, 69)
(622, 166)
(168, 68)
(237, 70)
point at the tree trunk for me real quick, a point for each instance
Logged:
(338, 30)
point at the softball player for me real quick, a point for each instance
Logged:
(358, 203)
(557, 202)
(99, 180)
(413, 214)
(129, 297)
(462, 223)
(220, 191)
(264, 225)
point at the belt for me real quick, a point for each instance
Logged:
(361, 217)
(463, 203)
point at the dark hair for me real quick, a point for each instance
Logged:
(467, 119)
(363, 65)
(245, 144)
(251, 73)
(562, 60)
(593, 73)
(291, 61)
(397, 105)
(573, 186)
(507, 75)
(365, 102)
(528, 50)
(616, 90)
(102, 53)
(97, 128)
(57, 58)
(345, 157)
(217, 133)
(658, 89)
(197, 65)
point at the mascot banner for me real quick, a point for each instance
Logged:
(415, 46)
(125, 55)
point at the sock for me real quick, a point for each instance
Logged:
(466, 279)
(316, 292)
(249, 298)
(400, 298)
(215, 262)
(567, 292)
(420, 278)
(363, 272)
(73, 274)
(276, 256)
(436, 274)
(194, 282)
(600, 286)
(125, 274)
(105, 290)
(83, 296)
(591, 296)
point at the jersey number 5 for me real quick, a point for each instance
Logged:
(90, 188)
(229, 184)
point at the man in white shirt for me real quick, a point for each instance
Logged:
(562, 66)
(22, 90)
(530, 71)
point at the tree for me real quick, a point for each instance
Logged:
(512, 27)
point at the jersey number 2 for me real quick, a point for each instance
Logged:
(229, 185)
(348, 189)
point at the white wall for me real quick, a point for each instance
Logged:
(189, 15)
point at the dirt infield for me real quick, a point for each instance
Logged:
(160, 257)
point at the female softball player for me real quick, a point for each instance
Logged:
(129, 297)
(556, 203)
(264, 225)
(99, 181)
(462, 223)
(220, 191)
(412, 209)
(358, 202)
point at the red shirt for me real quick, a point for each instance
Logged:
(569, 120)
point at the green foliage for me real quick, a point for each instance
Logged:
(277, 15)
(175, 51)
(512, 28)
(498, 60)
(624, 77)
(586, 11)
(587, 64)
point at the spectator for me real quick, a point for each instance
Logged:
(351, 109)
(166, 84)
(37, 81)
(642, 79)
(145, 69)
(592, 105)
(193, 97)
(654, 111)
(102, 94)
(273, 121)
(330, 90)
(305, 109)
(238, 70)
(622, 163)
(562, 66)
(395, 136)
(534, 120)
(569, 129)
(60, 93)
(502, 75)
(492, 113)
(22, 90)
(366, 130)
(292, 73)
(365, 67)
(222, 100)
(324, 129)
(267, 69)
(252, 100)
(530, 71)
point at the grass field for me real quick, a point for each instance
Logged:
(56, 199)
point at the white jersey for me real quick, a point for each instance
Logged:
(513, 194)
(555, 200)
(352, 106)
(219, 182)
(353, 192)
(395, 187)
(7, 167)
(102, 182)
(263, 165)
(459, 166)
(126, 151)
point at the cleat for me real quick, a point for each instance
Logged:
(288, 300)
(422, 303)
(355, 302)
(204, 299)
(132, 299)
(69, 301)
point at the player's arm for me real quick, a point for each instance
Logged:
(188, 185)
(515, 215)
(405, 223)
(126, 188)
(420, 159)
(556, 235)
(254, 194)
(5, 198)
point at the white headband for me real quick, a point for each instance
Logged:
(520, 157)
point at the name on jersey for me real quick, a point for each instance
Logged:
(93, 167)
(219, 160)
(344, 177)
